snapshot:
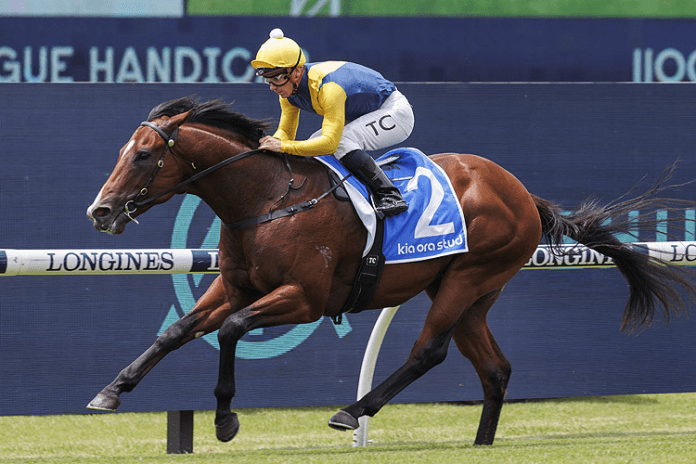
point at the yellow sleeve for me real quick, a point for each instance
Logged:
(331, 103)
(289, 121)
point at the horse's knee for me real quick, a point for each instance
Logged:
(172, 338)
(232, 330)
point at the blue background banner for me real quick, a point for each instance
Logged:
(63, 338)
(218, 49)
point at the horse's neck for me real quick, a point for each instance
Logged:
(244, 188)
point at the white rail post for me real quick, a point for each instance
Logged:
(367, 369)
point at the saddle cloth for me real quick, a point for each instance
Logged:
(434, 224)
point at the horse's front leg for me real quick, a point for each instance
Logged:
(207, 316)
(285, 305)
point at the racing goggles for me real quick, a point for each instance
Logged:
(275, 76)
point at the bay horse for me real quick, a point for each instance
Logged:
(296, 269)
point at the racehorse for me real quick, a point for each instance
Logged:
(299, 267)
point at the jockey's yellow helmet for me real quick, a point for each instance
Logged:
(278, 52)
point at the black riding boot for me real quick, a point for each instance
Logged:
(386, 197)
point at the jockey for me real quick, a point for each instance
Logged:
(361, 109)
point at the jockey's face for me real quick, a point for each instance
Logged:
(286, 84)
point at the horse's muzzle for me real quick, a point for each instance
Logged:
(106, 220)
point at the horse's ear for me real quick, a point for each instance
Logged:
(178, 120)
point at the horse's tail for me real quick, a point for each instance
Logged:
(653, 284)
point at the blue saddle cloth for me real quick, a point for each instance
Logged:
(434, 224)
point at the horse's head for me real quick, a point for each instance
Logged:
(146, 168)
(158, 160)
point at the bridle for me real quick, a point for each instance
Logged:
(139, 200)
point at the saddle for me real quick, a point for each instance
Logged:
(434, 226)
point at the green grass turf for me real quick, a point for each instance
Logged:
(617, 429)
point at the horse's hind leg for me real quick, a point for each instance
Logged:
(475, 341)
(208, 314)
(429, 350)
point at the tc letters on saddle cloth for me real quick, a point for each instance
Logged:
(434, 224)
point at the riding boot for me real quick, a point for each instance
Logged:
(386, 198)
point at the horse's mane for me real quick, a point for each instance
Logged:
(215, 113)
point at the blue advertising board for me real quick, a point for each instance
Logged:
(219, 49)
(63, 338)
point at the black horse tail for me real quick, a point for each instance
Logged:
(654, 285)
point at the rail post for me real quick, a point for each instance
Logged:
(367, 370)
(179, 432)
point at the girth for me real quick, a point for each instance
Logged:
(367, 278)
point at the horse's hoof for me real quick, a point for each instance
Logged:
(343, 421)
(104, 402)
(227, 430)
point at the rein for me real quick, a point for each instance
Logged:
(132, 206)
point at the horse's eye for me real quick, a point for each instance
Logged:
(142, 155)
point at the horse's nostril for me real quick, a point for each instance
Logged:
(101, 212)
